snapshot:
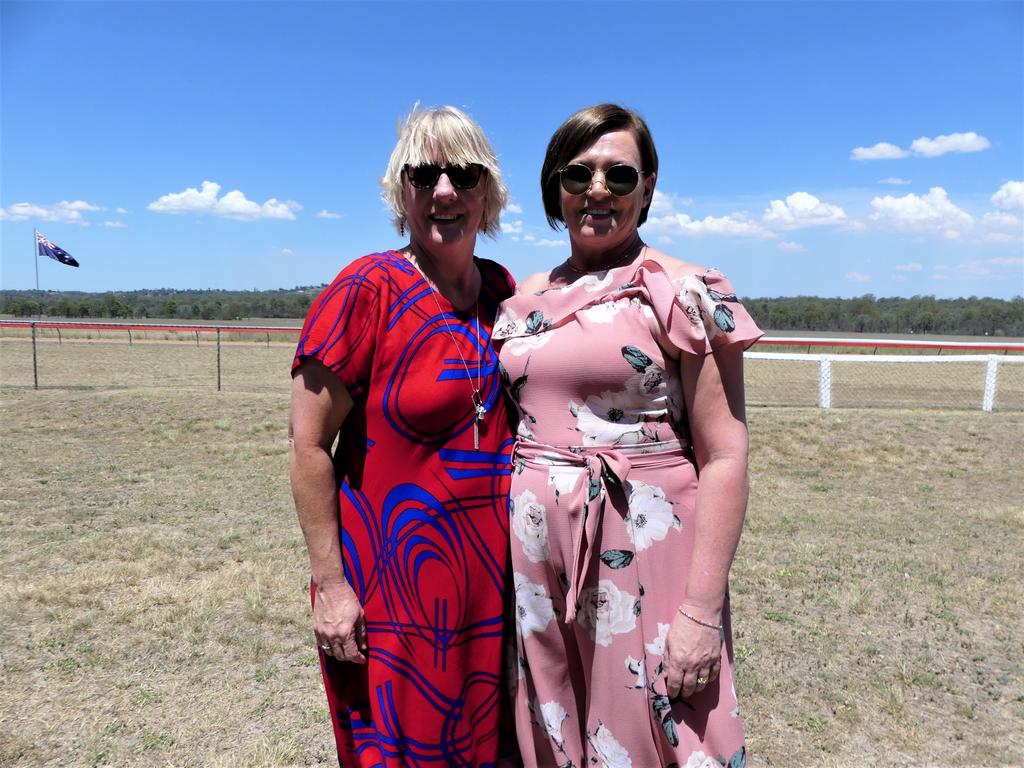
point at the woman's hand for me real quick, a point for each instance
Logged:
(693, 654)
(338, 623)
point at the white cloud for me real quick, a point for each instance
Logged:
(953, 142)
(545, 243)
(989, 268)
(913, 266)
(1010, 195)
(894, 180)
(790, 247)
(880, 151)
(512, 227)
(664, 221)
(733, 225)
(922, 213)
(120, 210)
(1002, 219)
(287, 252)
(233, 205)
(114, 224)
(325, 214)
(922, 147)
(1002, 227)
(857, 277)
(66, 211)
(802, 209)
(513, 208)
(662, 203)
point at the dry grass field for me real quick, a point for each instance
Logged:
(153, 609)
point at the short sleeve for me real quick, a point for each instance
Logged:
(341, 328)
(699, 313)
(498, 283)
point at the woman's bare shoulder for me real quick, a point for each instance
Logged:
(539, 281)
(676, 268)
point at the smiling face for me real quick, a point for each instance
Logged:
(443, 217)
(599, 222)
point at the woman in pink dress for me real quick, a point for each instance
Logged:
(629, 479)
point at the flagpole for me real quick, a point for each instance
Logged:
(35, 251)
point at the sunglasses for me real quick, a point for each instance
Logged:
(461, 176)
(619, 179)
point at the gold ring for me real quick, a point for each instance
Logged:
(702, 681)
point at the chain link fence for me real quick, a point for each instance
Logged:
(964, 382)
(257, 359)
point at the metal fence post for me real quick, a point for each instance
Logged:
(988, 400)
(825, 383)
(218, 359)
(35, 368)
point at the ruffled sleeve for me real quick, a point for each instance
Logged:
(341, 327)
(697, 313)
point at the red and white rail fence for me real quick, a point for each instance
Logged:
(855, 372)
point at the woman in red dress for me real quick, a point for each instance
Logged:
(406, 523)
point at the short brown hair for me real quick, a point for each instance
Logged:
(578, 132)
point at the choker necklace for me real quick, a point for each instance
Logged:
(631, 254)
(476, 399)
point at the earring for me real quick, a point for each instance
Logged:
(484, 228)
(401, 227)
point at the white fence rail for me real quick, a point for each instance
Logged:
(988, 382)
(912, 373)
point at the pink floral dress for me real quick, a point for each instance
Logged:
(602, 509)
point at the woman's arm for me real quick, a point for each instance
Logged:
(319, 405)
(713, 389)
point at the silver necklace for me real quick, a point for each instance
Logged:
(477, 399)
(629, 255)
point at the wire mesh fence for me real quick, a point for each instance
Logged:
(965, 382)
(257, 359)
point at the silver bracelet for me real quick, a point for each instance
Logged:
(707, 624)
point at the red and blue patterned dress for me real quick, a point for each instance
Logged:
(424, 514)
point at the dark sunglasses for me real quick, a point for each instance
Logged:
(461, 176)
(619, 179)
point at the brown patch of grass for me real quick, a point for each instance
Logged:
(154, 605)
(875, 593)
(153, 609)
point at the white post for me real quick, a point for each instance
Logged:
(825, 383)
(988, 400)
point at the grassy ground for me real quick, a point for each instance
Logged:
(153, 609)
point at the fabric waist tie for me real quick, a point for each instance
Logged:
(606, 469)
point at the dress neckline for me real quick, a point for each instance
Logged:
(417, 274)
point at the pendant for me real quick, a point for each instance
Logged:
(480, 413)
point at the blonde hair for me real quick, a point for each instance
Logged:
(449, 136)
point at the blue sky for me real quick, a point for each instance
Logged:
(815, 148)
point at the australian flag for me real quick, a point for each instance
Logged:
(55, 252)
